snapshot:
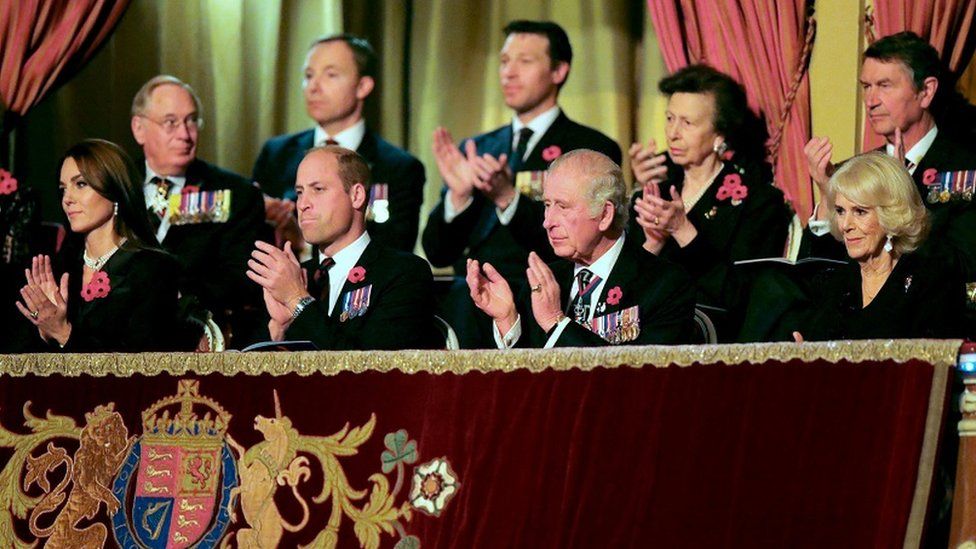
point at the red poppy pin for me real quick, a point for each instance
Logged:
(551, 153)
(190, 189)
(8, 183)
(733, 188)
(928, 177)
(357, 274)
(98, 288)
(614, 295)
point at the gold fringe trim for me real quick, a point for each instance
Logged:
(937, 352)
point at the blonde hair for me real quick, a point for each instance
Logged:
(879, 181)
(605, 183)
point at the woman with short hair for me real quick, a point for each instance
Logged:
(887, 290)
(709, 201)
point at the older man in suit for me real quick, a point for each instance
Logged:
(360, 294)
(603, 292)
(490, 210)
(340, 73)
(206, 216)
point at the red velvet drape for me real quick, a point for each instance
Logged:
(946, 24)
(44, 41)
(765, 46)
(779, 454)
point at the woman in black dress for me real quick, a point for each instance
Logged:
(709, 201)
(887, 290)
(120, 293)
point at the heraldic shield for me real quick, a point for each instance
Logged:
(176, 483)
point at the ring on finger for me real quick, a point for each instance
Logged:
(33, 314)
(657, 220)
(537, 288)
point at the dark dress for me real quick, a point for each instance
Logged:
(728, 232)
(139, 312)
(922, 298)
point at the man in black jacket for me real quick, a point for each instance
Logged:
(361, 294)
(489, 210)
(340, 73)
(604, 292)
(206, 216)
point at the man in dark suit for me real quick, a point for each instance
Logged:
(206, 216)
(605, 292)
(490, 210)
(361, 295)
(900, 81)
(340, 74)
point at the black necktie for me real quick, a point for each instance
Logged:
(321, 280)
(523, 145)
(580, 307)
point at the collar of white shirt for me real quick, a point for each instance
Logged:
(539, 126)
(349, 138)
(601, 268)
(918, 151)
(345, 259)
(177, 181)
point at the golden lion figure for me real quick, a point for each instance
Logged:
(104, 445)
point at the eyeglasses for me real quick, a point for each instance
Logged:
(171, 124)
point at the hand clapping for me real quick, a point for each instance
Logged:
(45, 301)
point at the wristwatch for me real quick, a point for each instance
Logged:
(302, 303)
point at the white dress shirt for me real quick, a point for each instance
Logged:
(350, 138)
(345, 259)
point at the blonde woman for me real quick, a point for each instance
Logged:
(887, 290)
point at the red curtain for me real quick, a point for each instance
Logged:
(776, 454)
(765, 46)
(946, 24)
(45, 41)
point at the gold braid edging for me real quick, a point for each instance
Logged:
(936, 352)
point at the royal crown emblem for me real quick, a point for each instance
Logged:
(177, 481)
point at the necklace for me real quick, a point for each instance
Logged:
(700, 192)
(98, 262)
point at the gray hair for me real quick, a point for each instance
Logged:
(604, 180)
(141, 100)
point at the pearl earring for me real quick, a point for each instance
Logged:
(115, 209)
(887, 245)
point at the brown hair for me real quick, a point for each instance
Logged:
(110, 172)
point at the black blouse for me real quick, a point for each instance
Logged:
(139, 312)
(728, 230)
(922, 298)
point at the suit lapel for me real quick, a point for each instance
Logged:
(934, 158)
(555, 135)
(365, 263)
(368, 148)
(623, 272)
